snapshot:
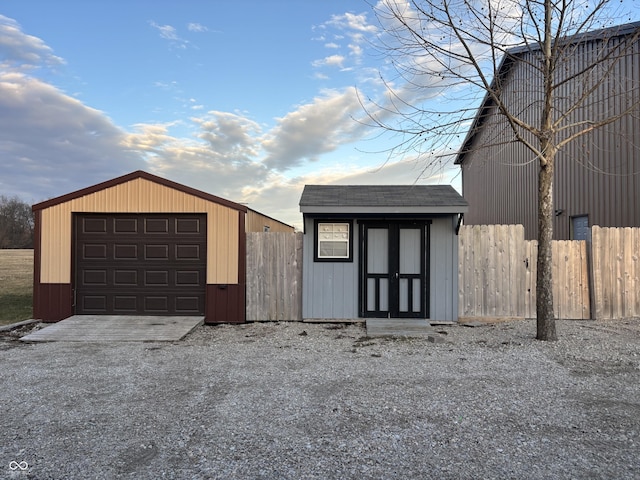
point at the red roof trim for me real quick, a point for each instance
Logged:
(133, 176)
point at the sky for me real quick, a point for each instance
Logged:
(247, 100)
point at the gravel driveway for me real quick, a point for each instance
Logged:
(305, 401)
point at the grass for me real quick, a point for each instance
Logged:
(16, 285)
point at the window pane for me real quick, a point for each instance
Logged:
(378, 250)
(333, 240)
(417, 297)
(333, 249)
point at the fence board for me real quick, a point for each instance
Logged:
(502, 280)
(616, 272)
(531, 277)
(274, 276)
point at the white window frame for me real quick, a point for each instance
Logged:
(333, 232)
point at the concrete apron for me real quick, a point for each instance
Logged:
(116, 328)
(400, 327)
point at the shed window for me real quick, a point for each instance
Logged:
(333, 241)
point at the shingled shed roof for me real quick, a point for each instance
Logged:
(382, 199)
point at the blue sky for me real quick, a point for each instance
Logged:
(248, 100)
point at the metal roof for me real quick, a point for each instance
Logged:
(133, 176)
(381, 199)
(512, 55)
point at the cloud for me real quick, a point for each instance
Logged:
(50, 143)
(18, 50)
(196, 27)
(279, 196)
(333, 61)
(170, 33)
(313, 129)
(354, 28)
(222, 157)
(352, 22)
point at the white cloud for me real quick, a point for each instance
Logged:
(196, 27)
(166, 31)
(170, 33)
(19, 50)
(331, 61)
(352, 22)
(353, 27)
(313, 129)
(50, 143)
(279, 196)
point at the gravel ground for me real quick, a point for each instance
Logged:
(305, 401)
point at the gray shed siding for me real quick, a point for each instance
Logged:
(596, 175)
(330, 290)
(443, 295)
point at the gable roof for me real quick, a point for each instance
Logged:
(133, 176)
(381, 199)
(511, 57)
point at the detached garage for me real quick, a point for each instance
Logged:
(142, 245)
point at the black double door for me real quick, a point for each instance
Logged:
(394, 279)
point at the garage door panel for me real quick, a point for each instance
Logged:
(188, 226)
(158, 268)
(125, 304)
(125, 252)
(94, 304)
(125, 225)
(188, 252)
(156, 225)
(125, 278)
(156, 278)
(156, 252)
(156, 304)
(94, 225)
(188, 278)
(95, 251)
(94, 277)
(187, 305)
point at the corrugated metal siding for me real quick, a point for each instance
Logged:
(256, 222)
(596, 175)
(140, 196)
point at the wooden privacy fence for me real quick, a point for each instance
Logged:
(274, 276)
(597, 279)
(616, 272)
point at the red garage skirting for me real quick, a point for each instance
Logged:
(52, 301)
(225, 304)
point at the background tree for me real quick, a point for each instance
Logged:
(16, 223)
(448, 55)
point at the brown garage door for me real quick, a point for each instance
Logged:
(147, 264)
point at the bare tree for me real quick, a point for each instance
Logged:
(16, 223)
(449, 53)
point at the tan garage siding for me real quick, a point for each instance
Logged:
(256, 222)
(140, 196)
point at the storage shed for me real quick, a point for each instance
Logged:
(380, 251)
(142, 245)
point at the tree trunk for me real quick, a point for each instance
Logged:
(546, 324)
